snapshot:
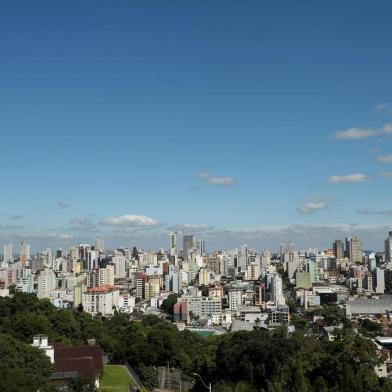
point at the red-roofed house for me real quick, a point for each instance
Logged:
(70, 363)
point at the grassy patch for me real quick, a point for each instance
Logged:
(115, 379)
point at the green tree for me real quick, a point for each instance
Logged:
(32, 361)
(168, 304)
(15, 380)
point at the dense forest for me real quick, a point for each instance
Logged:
(240, 362)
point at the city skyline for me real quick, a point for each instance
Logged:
(340, 247)
(239, 124)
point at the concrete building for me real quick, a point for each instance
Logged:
(200, 246)
(25, 254)
(120, 266)
(102, 299)
(288, 247)
(173, 281)
(188, 245)
(253, 271)
(278, 316)
(388, 248)
(379, 281)
(235, 298)
(91, 260)
(204, 277)
(126, 303)
(99, 244)
(78, 289)
(173, 244)
(338, 249)
(354, 249)
(106, 275)
(8, 254)
(369, 307)
(200, 306)
(46, 282)
(141, 282)
(277, 290)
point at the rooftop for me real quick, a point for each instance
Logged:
(102, 289)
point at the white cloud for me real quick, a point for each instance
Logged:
(362, 133)
(214, 180)
(130, 220)
(311, 208)
(385, 158)
(386, 174)
(355, 133)
(61, 204)
(346, 179)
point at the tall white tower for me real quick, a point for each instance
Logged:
(8, 254)
(173, 243)
(277, 290)
(99, 244)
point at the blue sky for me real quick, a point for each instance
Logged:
(221, 118)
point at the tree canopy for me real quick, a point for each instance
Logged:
(234, 362)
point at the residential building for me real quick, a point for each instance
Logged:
(338, 249)
(101, 300)
(354, 249)
(188, 245)
(46, 283)
(235, 298)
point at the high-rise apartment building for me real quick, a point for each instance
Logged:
(288, 247)
(83, 249)
(46, 283)
(388, 248)
(189, 244)
(277, 290)
(91, 260)
(99, 244)
(8, 254)
(338, 249)
(354, 249)
(200, 246)
(106, 275)
(235, 298)
(25, 254)
(243, 258)
(173, 243)
(204, 277)
(173, 281)
(379, 275)
(120, 266)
